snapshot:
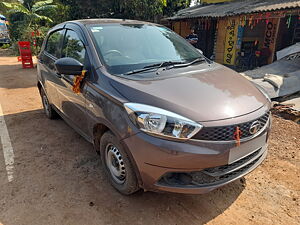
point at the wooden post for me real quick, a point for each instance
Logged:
(220, 41)
(180, 27)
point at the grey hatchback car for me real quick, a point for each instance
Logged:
(161, 115)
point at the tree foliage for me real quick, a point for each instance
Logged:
(174, 6)
(30, 20)
(33, 17)
(148, 10)
(34, 13)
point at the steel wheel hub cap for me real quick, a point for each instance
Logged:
(115, 164)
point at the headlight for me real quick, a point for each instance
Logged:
(161, 122)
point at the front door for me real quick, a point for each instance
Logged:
(73, 104)
(46, 66)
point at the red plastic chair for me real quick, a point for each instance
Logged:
(25, 53)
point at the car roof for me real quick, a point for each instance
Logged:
(84, 22)
(109, 20)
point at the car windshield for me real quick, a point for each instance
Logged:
(128, 47)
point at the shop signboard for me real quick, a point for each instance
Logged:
(272, 26)
(231, 40)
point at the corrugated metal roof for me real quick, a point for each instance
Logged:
(235, 8)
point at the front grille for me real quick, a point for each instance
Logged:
(203, 179)
(221, 170)
(226, 133)
(215, 175)
(220, 174)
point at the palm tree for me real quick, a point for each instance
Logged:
(34, 13)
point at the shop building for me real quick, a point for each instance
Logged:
(241, 32)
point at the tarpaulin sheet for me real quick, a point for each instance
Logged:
(288, 51)
(280, 78)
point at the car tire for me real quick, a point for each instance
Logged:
(117, 165)
(48, 109)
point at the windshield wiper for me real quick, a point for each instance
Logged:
(153, 66)
(163, 64)
(174, 64)
(190, 63)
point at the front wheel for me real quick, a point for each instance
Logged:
(117, 165)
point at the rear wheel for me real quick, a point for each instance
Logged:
(48, 109)
(117, 165)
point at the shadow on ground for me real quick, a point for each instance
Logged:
(58, 180)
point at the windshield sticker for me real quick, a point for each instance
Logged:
(163, 28)
(96, 29)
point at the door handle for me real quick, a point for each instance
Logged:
(58, 75)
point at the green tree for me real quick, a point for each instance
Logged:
(149, 10)
(61, 14)
(30, 20)
(174, 6)
(3, 8)
(32, 13)
(137, 9)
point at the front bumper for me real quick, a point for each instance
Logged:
(193, 167)
(201, 182)
(197, 166)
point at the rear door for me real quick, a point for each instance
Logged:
(47, 58)
(73, 104)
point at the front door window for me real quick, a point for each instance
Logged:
(73, 47)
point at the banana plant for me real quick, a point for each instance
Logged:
(34, 13)
(35, 18)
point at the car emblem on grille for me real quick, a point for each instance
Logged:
(255, 127)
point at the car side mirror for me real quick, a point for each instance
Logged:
(199, 50)
(68, 66)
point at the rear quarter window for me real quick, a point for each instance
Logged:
(53, 43)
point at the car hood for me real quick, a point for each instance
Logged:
(201, 93)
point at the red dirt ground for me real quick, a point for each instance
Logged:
(58, 177)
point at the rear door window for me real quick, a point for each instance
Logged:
(73, 47)
(53, 43)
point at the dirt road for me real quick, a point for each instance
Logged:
(57, 177)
